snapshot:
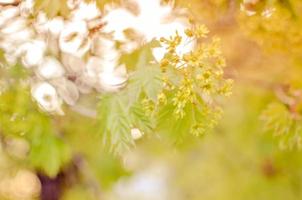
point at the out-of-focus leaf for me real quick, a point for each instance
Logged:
(280, 122)
(277, 119)
(107, 169)
(20, 118)
(49, 153)
(17, 111)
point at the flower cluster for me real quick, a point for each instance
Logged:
(79, 54)
(200, 70)
(68, 57)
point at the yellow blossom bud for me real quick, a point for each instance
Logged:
(162, 99)
(189, 33)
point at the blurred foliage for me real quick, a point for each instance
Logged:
(254, 152)
(276, 25)
(282, 123)
(20, 117)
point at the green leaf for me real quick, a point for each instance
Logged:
(147, 81)
(147, 77)
(169, 124)
(139, 118)
(119, 113)
(280, 122)
(277, 119)
(115, 125)
(198, 118)
(18, 112)
(49, 153)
